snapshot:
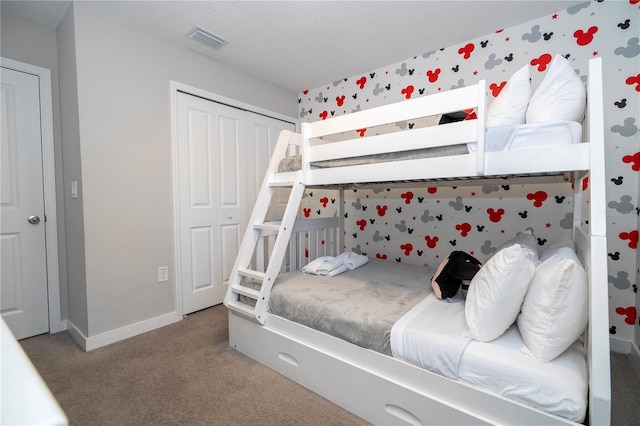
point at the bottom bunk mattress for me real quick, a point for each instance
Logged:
(390, 308)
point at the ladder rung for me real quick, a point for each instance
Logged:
(242, 308)
(286, 184)
(251, 274)
(246, 291)
(268, 226)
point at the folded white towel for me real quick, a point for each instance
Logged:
(322, 265)
(353, 260)
(339, 270)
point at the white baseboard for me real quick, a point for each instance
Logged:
(619, 345)
(77, 335)
(635, 357)
(113, 336)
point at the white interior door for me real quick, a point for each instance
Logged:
(24, 301)
(222, 155)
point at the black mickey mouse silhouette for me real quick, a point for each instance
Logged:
(615, 256)
(618, 180)
(624, 25)
(621, 104)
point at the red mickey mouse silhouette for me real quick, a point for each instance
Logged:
(496, 88)
(407, 248)
(382, 210)
(634, 160)
(381, 256)
(323, 115)
(324, 201)
(634, 79)
(340, 100)
(361, 82)
(362, 224)
(431, 241)
(432, 189)
(632, 237)
(361, 132)
(538, 198)
(466, 50)
(407, 196)
(306, 252)
(583, 38)
(464, 228)
(433, 75)
(541, 61)
(407, 91)
(495, 215)
(307, 212)
(630, 313)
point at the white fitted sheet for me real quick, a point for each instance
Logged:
(520, 136)
(506, 367)
(503, 366)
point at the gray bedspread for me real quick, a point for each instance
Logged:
(360, 306)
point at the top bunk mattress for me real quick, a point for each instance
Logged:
(499, 138)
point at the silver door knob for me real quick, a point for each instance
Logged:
(34, 220)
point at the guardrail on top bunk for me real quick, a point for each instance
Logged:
(470, 97)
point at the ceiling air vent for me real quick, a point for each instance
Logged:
(205, 37)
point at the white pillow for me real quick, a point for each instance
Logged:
(560, 97)
(555, 310)
(510, 106)
(527, 240)
(552, 248)
(497, 291)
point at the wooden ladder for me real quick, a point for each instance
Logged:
(249, 288)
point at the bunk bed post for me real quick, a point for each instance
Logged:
(340, 239)
(481, 122)
(306, 166)
(598, 333)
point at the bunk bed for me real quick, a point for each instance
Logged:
(367, 377)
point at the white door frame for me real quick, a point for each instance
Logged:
(56, 323)
(176, 87)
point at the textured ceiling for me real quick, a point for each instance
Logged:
(305, 44)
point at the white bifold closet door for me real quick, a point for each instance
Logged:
(223, 153)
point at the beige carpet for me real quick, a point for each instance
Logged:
(182, 374)
(186, 374)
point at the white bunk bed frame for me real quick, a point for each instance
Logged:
(376, 387)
